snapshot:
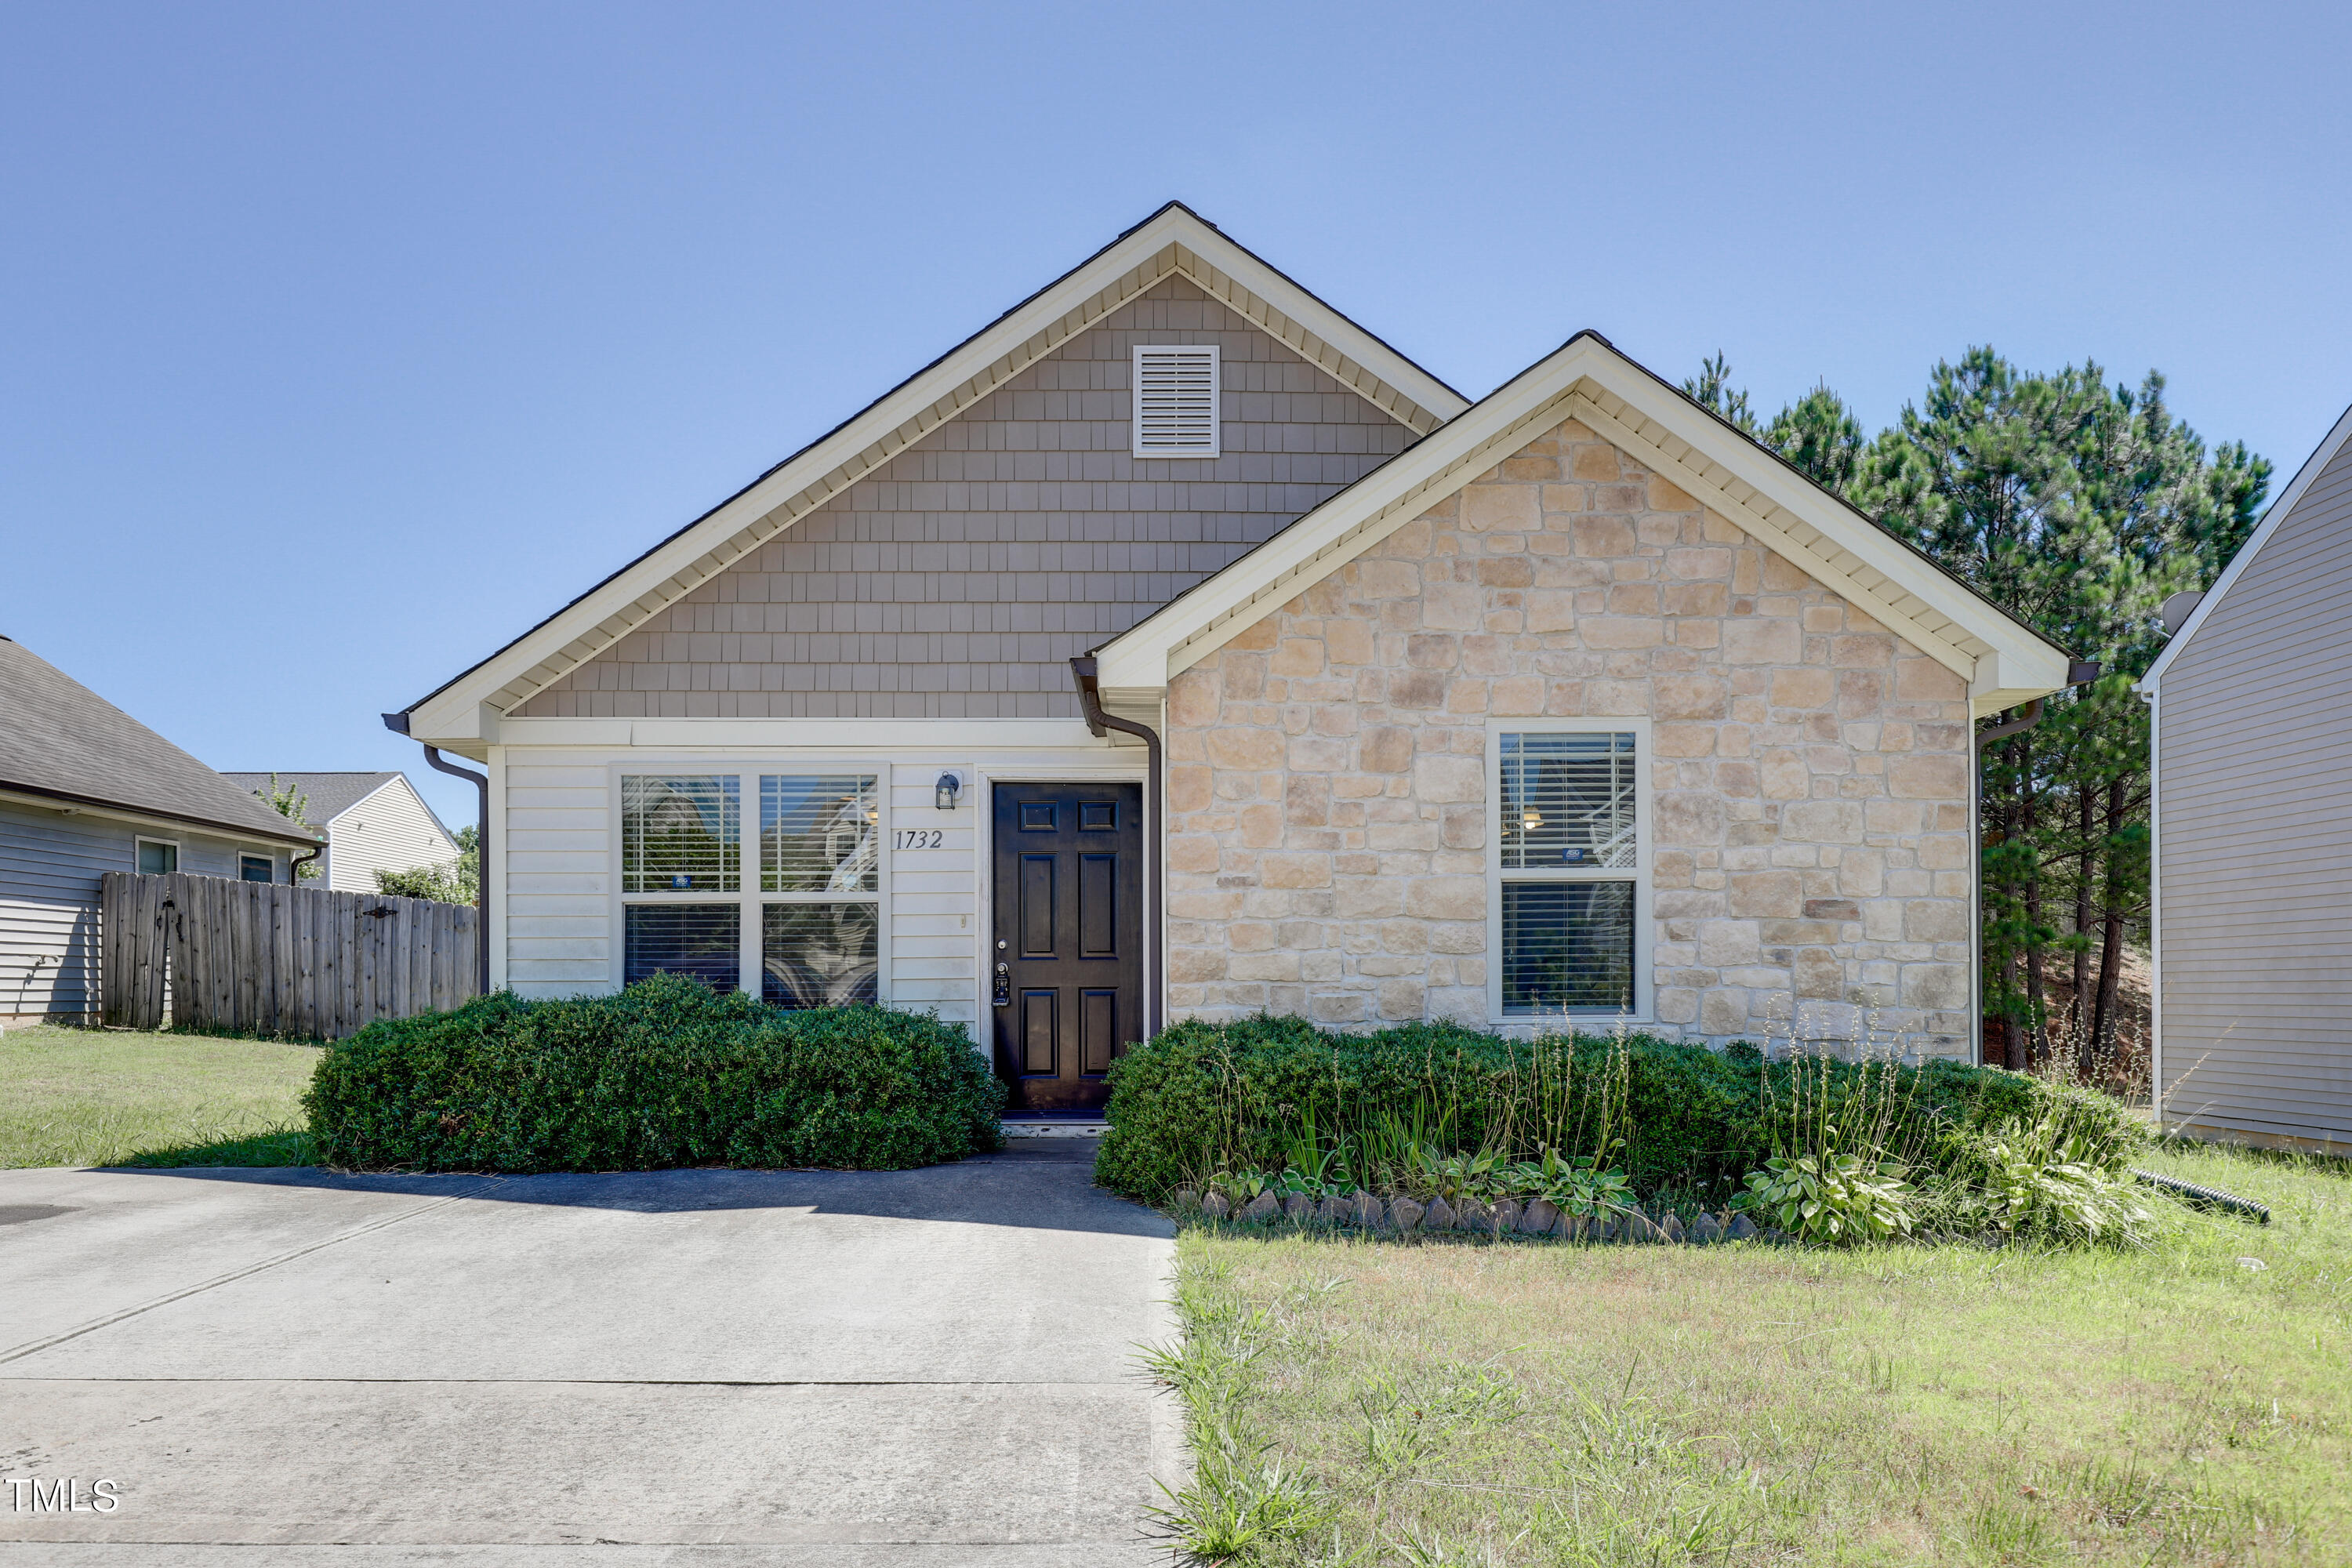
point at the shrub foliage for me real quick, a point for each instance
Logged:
(665, 1074)
(1203, 1098)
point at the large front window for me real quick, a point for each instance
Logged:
(1569, 858)
(793, 908)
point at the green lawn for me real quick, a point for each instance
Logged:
(93, 1097)
(1453, 1402)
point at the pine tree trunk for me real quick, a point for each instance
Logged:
(2037, 1041)
(2085, 880)
(2111, 951)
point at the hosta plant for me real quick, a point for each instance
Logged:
(1832, 1197)
(2030, 1181)
(1576, 1185)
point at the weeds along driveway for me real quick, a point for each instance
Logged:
(712, 1366)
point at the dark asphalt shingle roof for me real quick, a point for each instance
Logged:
(325, 796)
(61, 739)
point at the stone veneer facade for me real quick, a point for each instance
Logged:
(1330, 837)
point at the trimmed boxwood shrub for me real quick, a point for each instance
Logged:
(1203, 1097)
(665, 1074)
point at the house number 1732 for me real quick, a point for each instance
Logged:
(920, 838)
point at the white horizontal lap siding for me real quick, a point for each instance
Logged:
(2255, 855)
(935, 914)
(390, 830)
(559, 873)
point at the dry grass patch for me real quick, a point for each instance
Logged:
(1450, 1401)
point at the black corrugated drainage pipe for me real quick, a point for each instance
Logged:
(1082, 670)
(2201, 1197)
(398, 725)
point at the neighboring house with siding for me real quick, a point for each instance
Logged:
(374, 822)
(86, 789)
(1175, 646)
(2254, 830)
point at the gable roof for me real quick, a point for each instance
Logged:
(2274, 516)
(1587, 379)
(60, 740)
(327, 796)
(1173, 242)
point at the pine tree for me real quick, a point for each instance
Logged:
(2078, 507)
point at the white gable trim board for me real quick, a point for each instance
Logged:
(1588, 380)
(463, 715)
(2274, 515)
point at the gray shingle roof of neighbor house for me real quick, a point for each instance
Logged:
(325, 796)
(61, 740)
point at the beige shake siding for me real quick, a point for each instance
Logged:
(2255, 839)
(1331, 831)
(959, 581)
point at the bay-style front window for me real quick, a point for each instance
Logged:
(1572, 866)
(797, 903)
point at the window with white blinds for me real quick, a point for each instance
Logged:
(1176, 388)
(1569, 869)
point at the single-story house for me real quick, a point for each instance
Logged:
(1174, 646)
(374, 822)
(86, 789)
(2254, 830)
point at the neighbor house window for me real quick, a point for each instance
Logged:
(256, 869)
(792, 909)
(1176, 390)
(158, 856)
(1569, 869)
(820, 881)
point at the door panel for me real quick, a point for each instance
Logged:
(1068, 874)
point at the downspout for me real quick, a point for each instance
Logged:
(1082, 670)
(398, 725)
(294, 867)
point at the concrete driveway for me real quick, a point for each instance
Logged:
(688, 1367)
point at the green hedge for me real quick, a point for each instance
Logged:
(665, 1074)
(1202, 1096)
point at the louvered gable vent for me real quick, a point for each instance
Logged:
(1176, 401)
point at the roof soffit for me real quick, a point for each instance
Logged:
(1588, 380)
(1173, 243)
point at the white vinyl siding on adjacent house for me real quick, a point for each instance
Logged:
(390, 830)
(2255, 839)
(50, 863)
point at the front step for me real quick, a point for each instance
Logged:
(1052, 1126)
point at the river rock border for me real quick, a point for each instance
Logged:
(1505, 1220)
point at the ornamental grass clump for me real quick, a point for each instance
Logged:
(665, 1074)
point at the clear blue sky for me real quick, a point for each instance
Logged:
(340, 343)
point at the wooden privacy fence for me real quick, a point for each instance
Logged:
(275, 959)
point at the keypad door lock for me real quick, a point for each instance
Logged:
(1003, 993)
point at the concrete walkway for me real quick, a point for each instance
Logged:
(689, 1368)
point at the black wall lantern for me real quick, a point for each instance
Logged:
(943, 794)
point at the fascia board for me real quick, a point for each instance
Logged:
(1333, 331)
(1135, 263)
(2274, 517)
(2028, 655)
(893, 736)
(1157, 648)
(78, 806)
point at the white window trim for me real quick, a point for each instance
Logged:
(748, 898)
(179, 852)
(268, 860)
(1216, 446)
(1645, 933)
